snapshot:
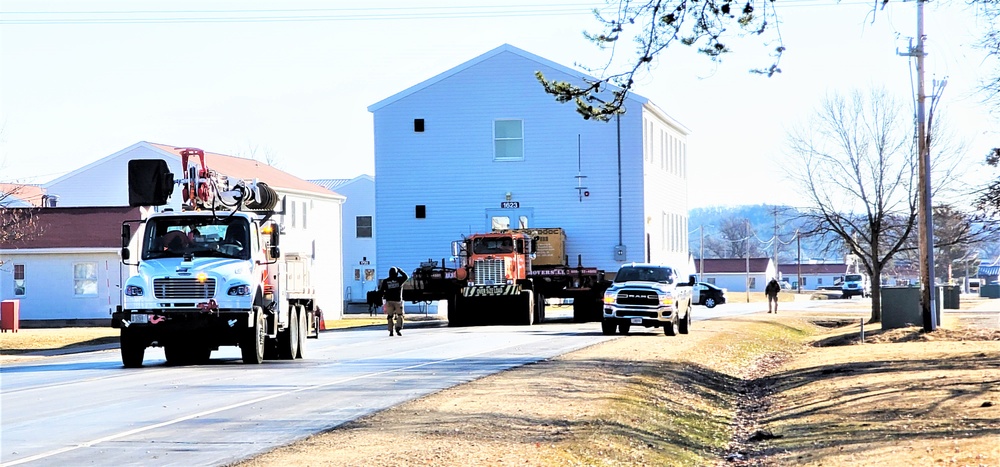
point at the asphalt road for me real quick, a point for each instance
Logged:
(85, 409)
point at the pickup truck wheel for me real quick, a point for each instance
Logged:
(710, 302)
(175, 354)
(608, 327)
(303, 330)
(685, 324)
(132, 351)
(252, 346)
(623, 328)
(670, 328)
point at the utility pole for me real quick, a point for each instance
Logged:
(776, 272)
(701, 267)
(926, 244)
(748, 258)
(798, 244)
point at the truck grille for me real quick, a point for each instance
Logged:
(638, 297)
(489, 272)
(183, 288)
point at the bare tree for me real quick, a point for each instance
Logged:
(856, 165)
(710, 26)
(988, 197)
(17, 220)
(734, 240)
(958, 236)
(257, 153)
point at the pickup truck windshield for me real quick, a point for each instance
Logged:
(852, 278)
(201, 236)
(646, 274)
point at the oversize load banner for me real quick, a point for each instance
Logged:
(491, 290)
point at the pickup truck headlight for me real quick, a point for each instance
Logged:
(239, 290)
(133, 291)
(666, 299)
(609, 298)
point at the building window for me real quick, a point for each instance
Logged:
(418, 125)
(804, 281)
(18, 279)
(752, 283)
(304, 212)
(500, 223)
(421, 211)
(85, 279)
(291, 213)
(819, 281)
(711, 280)
(508, 140)
(364, 226)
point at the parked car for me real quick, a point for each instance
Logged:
(709, 294)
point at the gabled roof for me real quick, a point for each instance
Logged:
(16, 194)
(732, 265)
(812, 268)
(332, 183)
(505, 48)
(89, 227)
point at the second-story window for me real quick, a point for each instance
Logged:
(508, 140)
(364, 226)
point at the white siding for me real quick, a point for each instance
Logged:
(360, 193)
(48, 284)
(665, 190)
(449, 168)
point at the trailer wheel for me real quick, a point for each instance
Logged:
(132, 350)
(288, 339)
(303, 330)
(608, 328)
(252, 345)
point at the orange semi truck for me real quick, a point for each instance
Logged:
(505, 277)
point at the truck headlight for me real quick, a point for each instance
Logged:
(666, 299)
(133, 291)
(239, 290)
(609, 298)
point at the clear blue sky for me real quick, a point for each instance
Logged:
(80, 80)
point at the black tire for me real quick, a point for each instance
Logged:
(685, 324)
(175, 354)
(288, 338)
(710, 302)
(670, 328)
(623, 328)
(526, 307)
(455, 317)
(608, 328)
(539, 308)
(303, 331)
(252, 345)
(132, 350)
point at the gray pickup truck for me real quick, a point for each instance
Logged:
(648, 295)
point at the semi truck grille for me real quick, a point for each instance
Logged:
(489, 272)
(638, 297)
(183, 288)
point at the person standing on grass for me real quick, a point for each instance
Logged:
(391, 290)
(771, 291)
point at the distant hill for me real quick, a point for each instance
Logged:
(763, 218)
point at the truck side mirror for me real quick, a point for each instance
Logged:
(126, 236)
(275, 252)
(534, 245)
(275, 237)
(456, 248)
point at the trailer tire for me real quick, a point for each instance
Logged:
(303, 330)
(132, 350)
(539, 308)
(252, 344)
(608, 328)
(586, 308)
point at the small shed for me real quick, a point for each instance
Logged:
(737, 274)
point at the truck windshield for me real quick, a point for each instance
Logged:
(852, 278)
(201, 236)
(645, 274)
(492, 245)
